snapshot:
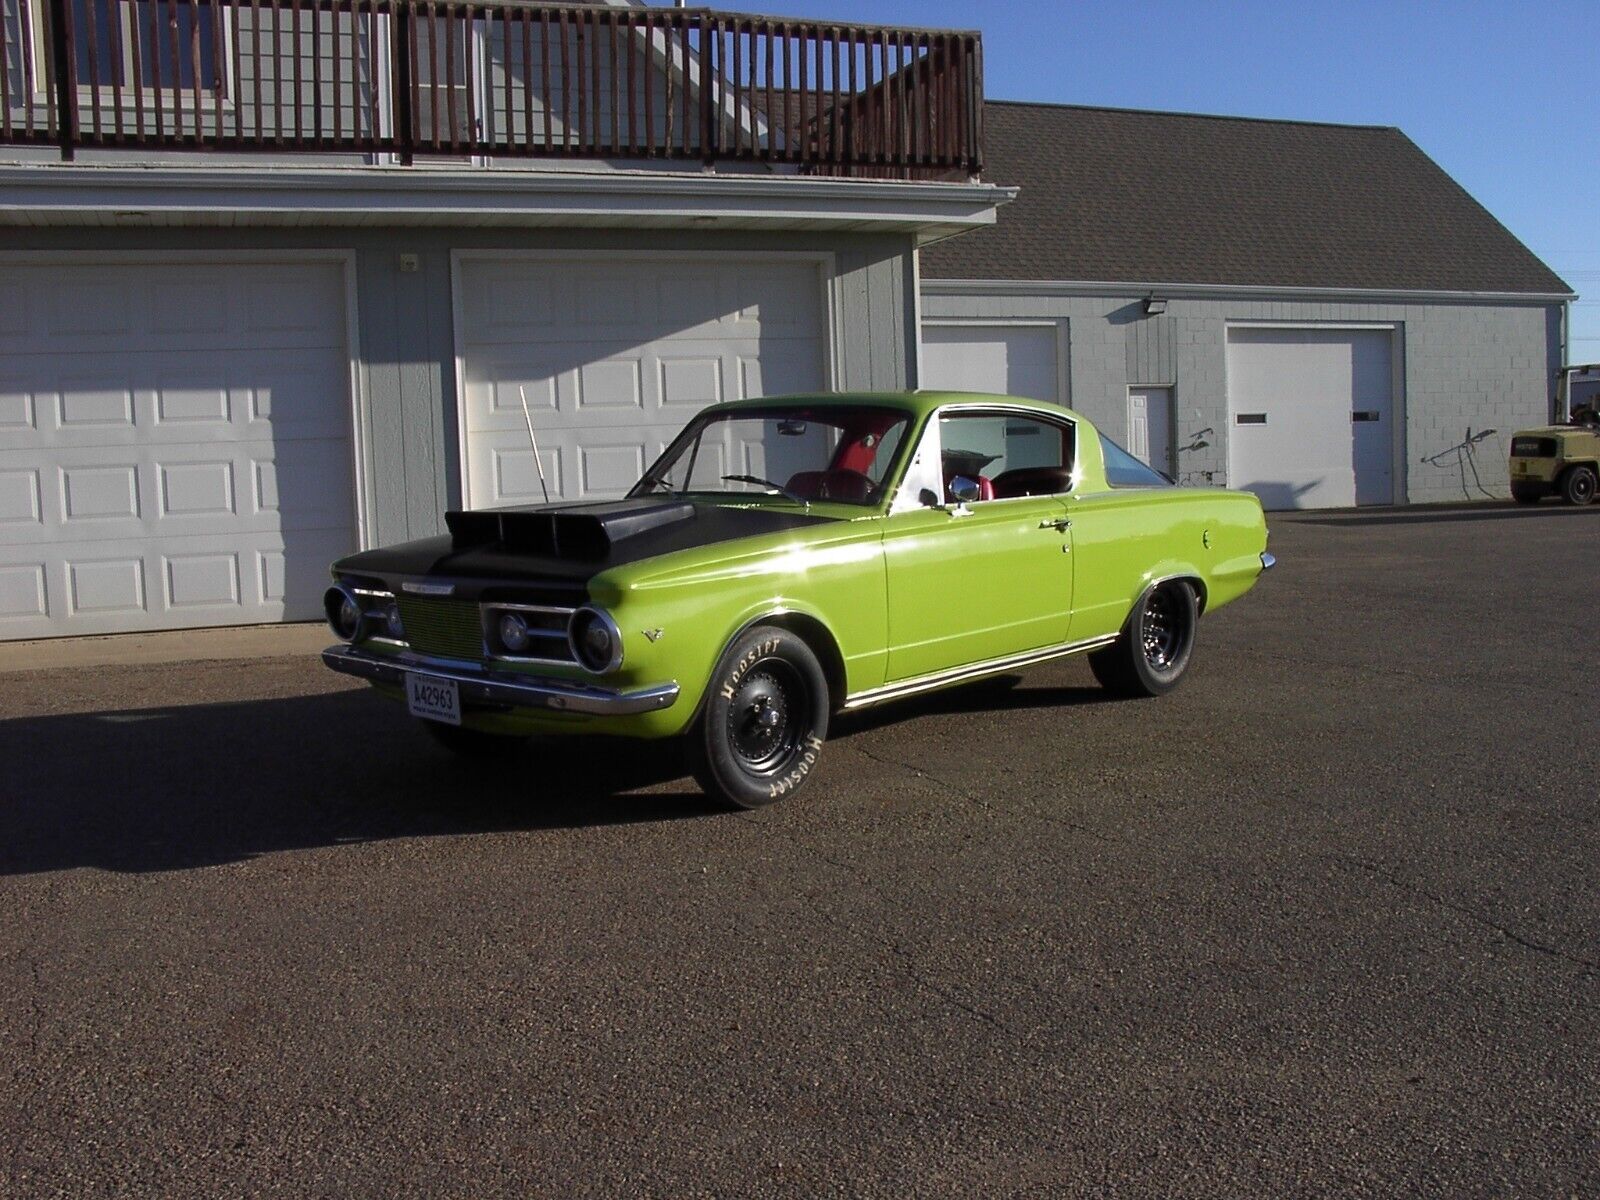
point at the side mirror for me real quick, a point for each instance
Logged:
(964, 490)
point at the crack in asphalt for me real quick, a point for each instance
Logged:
(905, 956)
(1487, 922)
(978, 801)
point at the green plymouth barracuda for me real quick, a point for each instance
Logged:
(789, 558)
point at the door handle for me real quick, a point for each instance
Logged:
(1060, 524)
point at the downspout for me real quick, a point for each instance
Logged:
(1563, 376)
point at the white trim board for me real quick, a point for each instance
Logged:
(124, 196)
(1223, 291)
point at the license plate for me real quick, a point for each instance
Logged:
(434, 699)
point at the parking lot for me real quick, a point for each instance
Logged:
(1326, 919)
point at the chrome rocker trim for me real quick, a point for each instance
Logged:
(1268, 561)
(977, 670)
(515, 691)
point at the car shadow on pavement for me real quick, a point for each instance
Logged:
(162, 789)
(175, 788)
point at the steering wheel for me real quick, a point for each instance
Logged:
(843, 483)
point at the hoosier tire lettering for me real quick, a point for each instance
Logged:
(731, 684)
(793, 779)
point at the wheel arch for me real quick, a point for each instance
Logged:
(814, 634)
(1183, 575)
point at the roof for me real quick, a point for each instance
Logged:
(1114, 195)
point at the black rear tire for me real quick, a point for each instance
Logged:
(1153, 651)
(1578, 485)
(473, 743)
(760, 731)
(1522, 493)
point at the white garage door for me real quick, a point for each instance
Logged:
(174, 444)
(1013, 360)
(1310, 416)
(615, 357)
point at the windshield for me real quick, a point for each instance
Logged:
(835, 453)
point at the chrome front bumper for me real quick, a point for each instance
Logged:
(1268, 561)
(514, 691)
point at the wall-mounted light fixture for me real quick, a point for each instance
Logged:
(1154, 306)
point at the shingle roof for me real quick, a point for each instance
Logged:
(1111, 195)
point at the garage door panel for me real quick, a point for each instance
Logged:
(174, 445)
(690, 381)
(609, 384)
(616, 358)
(16, 407)
(21, 497)
(22, 596)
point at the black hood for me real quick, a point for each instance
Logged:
(570, 543)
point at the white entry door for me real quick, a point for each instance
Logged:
(1310, 416)
(615, 355)
(1012, 360)
(175, 443)
(1150, 427)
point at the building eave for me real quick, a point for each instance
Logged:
(124, 195)
(1196, 291)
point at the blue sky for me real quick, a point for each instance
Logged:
(1505, 96)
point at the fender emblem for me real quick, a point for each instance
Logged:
(653, 634)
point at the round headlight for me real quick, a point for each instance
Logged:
(392, 625)
(343, 612)
(513, 630)
(596, 641)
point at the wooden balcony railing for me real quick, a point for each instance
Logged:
(408, 79)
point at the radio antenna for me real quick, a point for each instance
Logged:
(533, 441)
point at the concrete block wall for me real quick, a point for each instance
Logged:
(1463, 368)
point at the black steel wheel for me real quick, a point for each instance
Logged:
(1154, 648)
(765, 716)
(1578, 485)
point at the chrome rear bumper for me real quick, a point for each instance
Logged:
(515, 691)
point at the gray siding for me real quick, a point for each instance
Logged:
(1464, 367)
(406, 348)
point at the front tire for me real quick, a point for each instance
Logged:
(760, 731)
(1578, 485)
(1153, 651)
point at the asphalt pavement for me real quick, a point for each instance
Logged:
(1325, 920)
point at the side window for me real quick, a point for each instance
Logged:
(1006, 454)
(1124, 470)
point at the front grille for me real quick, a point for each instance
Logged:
(445, 628)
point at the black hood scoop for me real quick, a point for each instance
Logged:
(573, 531)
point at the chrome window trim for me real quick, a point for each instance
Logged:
(902, 502)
